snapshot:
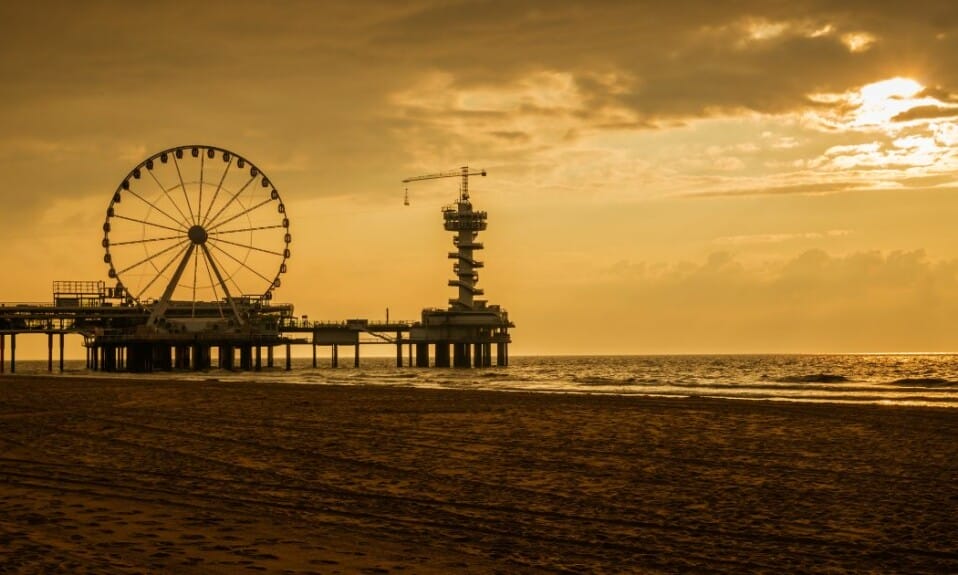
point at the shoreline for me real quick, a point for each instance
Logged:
(125, 475)
(264, 378)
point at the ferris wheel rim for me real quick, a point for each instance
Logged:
(198, 226)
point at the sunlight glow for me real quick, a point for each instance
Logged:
(874, 106)
(882, 101)
(765, 30)
(909, 129)
(892, 88)
(858, 42)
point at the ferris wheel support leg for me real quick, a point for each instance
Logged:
(160, 308)
(226, 291)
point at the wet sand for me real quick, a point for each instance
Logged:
(122, 476)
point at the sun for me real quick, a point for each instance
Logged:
(893, 88)
(879, 102)
(874, 107)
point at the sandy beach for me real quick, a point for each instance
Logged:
(124, 476)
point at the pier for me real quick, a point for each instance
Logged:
(185, 251)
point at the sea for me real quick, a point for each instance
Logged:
(886, 379)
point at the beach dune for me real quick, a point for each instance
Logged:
(126, 476)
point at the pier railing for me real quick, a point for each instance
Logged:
(294, 324)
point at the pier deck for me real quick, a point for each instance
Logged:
(116, 339)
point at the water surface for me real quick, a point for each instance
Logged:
(895, 379)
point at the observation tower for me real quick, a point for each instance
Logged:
(469, 325)
(466, 223)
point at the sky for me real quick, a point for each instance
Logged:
(663, 177)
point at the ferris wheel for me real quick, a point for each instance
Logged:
(194, 227)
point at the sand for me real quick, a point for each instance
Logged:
(123, 476)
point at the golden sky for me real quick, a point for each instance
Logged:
(668, 177)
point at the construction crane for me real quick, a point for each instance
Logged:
(463, 172)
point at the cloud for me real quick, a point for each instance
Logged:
(673, 61)
(925, 113)
(779, 238)
(857, 42)
(337, 84)
(802, 189)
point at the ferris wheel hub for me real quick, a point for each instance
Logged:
(197, 235)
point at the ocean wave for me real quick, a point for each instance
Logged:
(814, 378)
(592, 380)
(924, 382)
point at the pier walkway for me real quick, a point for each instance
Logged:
(116, 339)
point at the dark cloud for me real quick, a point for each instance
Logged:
(928, 181)
(511, 136)
(682, 59)
(313, 81)
(806, 189)
(926, 113)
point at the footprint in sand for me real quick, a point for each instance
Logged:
(193, 537)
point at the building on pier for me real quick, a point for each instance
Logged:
(470, 327)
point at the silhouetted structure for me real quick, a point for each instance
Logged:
(469, 325)
(196, 239)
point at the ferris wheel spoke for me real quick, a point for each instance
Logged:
(195, 268)
(244, 264)
(247, 246)
(177, 237)
(156, 207)
(185, 222)
(154, 224)
(189, 205)
(199, 204)
(243, 213)
(219, 276)
(217, 266)
(251, 229)
(152, 257)
(231, 200)
(216, 294)
(219, 186)
(162, 270)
